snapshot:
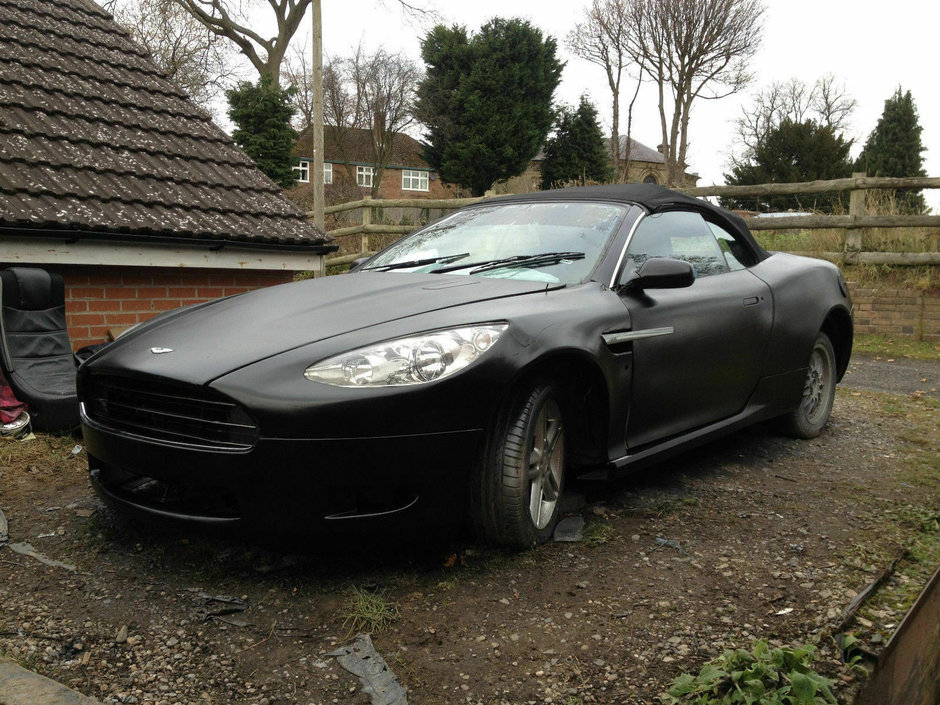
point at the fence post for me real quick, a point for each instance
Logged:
(366, 221)
(853, 235)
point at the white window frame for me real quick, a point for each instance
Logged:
(364, 176)
(303, 171)
(327, 173)
(415, 180)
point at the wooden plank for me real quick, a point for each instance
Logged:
(32, 250)
(847, 184)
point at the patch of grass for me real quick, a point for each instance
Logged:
(369, 612)
(598, 533)
(913, 521)
(895, 347)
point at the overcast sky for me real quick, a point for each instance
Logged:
(872, 48)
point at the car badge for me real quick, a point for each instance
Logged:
(160, 351)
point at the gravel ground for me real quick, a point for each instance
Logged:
(755, 536)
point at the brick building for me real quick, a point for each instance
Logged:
(111, 176)
(349, 158)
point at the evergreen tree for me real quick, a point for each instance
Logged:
(792, 152)
(262, 112)
(486, 100)
(894, 147)
(577, 152)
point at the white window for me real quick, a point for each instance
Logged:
(327, 173)
(414, 180)
(364, 175)
(303, 171)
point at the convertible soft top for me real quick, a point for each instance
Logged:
(651, 197)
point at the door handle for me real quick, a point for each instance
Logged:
(751, 300)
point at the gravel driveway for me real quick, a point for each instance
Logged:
(754, 536)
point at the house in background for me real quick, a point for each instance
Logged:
(407, 174)
(112, 177)
(647, 166)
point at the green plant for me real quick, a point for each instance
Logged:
(369, 612)
(598, 533)
(762, 676)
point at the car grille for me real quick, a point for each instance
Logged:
(169, 413)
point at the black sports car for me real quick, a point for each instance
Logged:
(473, 365)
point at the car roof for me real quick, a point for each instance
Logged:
(651, 197)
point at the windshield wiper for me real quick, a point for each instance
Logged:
(418, 262)
(514, 261)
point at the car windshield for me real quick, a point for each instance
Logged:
(550, 242)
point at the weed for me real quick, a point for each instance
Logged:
(598, 533)
(762, 675)
(368, 612)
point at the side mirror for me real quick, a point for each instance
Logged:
(660, 273)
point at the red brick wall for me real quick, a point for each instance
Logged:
(101, 299)
(904, 312)
(391, 185)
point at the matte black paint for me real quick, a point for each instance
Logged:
(737, 354)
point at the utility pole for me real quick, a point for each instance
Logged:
(318, 216)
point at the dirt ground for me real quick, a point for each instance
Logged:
(753, 537)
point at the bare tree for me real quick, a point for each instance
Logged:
(196, 60)
(343, 109)
(692, 49)
(298, 73)
(231, 19)
(602, 39)
(832, 104)
(227, 18)
(826, 102)
(364, 92)
(387, 91)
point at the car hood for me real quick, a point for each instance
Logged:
(199, 344)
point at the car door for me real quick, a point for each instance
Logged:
(698, 351)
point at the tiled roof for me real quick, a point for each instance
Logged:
(640, 152)
(93, 139)
(407, 152)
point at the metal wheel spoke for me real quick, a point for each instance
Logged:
(535, 501)
(545, 463)
(553, 434)
(535, 463)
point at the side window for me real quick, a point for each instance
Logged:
(678, 235)
(736, 255)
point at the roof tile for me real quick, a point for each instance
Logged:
(94, 138)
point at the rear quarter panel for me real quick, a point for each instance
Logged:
(805, 291)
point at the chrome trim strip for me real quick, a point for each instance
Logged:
(627, 336)
(623, 252)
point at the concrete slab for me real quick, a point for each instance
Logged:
(19, 686)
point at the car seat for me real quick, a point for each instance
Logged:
(35, 351)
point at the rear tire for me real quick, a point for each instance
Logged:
(518, 490)
(819, 390)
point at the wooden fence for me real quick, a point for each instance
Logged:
(854, 224)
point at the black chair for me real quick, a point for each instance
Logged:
(36, 354)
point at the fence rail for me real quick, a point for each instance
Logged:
(854, 225)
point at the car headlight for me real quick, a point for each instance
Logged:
(412, 360)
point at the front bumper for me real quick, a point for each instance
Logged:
(288, 487)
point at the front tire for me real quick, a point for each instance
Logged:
(522, 470)
(819, 390)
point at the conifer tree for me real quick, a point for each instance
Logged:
(789, 153)
(576, 154)
(262, 112)
(894, 147)
(486, 100)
